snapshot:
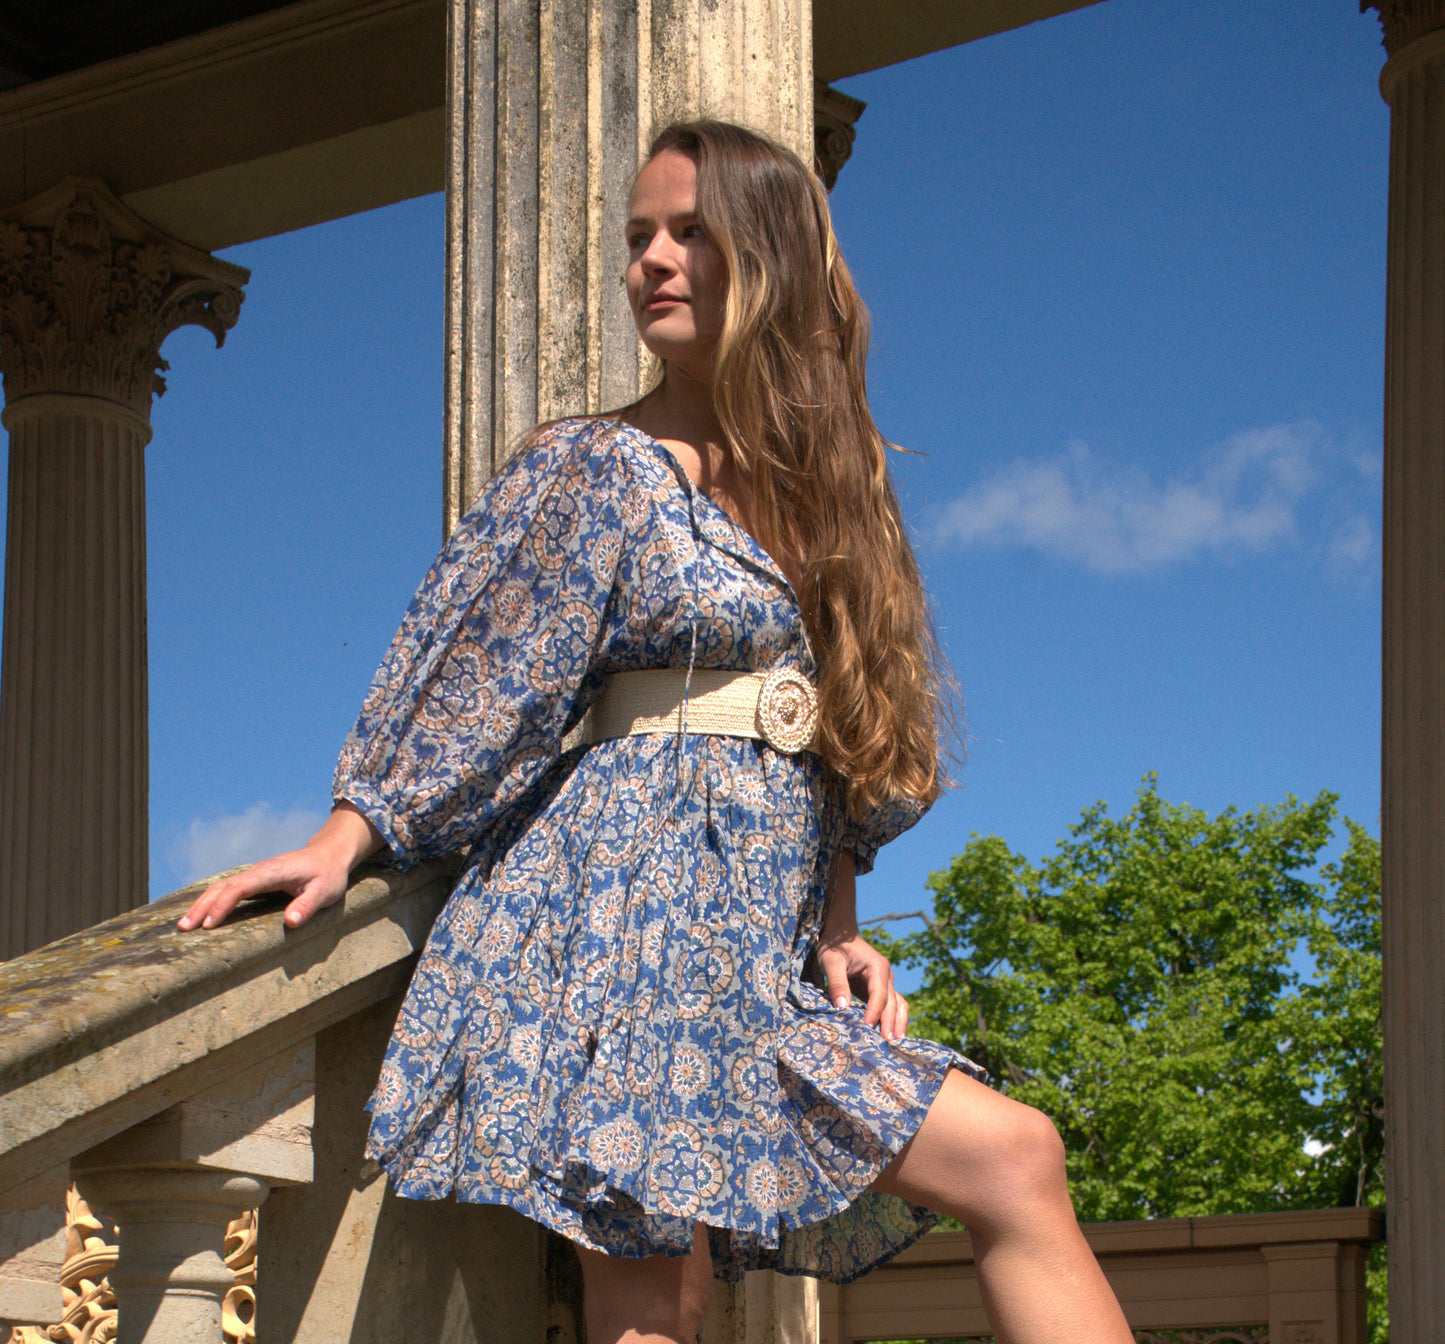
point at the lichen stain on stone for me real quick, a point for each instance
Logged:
(93, 965)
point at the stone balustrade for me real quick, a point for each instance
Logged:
(178, 1080)
(173, 1077)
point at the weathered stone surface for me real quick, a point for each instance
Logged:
(32, 1249)
(257, 1121)
(765, 1308)
(106, 1028)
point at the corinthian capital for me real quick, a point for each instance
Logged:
(89, 290)
(834, 115)
(1405, 20)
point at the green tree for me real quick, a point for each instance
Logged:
(1140, 987)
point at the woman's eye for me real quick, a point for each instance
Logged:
(694, 231)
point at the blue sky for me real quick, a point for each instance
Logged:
(1126, 269)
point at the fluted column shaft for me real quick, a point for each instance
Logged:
(73, 679)
(551, 104)
(1413, 810)
(88, 291)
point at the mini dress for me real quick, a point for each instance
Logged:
(615, 1026)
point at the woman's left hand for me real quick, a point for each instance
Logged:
(851, 965)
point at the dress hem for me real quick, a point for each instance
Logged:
(728, 1268)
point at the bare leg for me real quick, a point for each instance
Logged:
(998, 1167)
(656, 1300)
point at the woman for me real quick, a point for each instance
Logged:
(633, 1021)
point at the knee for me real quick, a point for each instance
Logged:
(1029, 1155)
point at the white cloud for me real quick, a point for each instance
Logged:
(226, 842)
(1354, 542)
(1248, 495)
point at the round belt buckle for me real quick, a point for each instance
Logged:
(787, 710)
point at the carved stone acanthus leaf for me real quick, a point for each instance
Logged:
(89, 291)
(1406, 20)
(834, 116)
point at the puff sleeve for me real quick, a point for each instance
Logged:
(865, 836)
(492, 661)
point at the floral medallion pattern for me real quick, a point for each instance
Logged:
(613, 1026)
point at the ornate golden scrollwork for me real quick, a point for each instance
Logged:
(89, 1302)
(238, 1310)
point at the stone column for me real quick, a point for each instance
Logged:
(88, 291)
(765, 1308)
(551, 104)
(171, 1276)
(1413, 805)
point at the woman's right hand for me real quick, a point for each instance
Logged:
(315, 876)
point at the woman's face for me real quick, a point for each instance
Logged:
(676, 279)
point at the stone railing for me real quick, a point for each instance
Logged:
(1252, 1278)
(179, 1080)
(182, 1080)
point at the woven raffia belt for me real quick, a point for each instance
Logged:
(780, 706)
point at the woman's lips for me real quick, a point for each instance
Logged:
(661, 301)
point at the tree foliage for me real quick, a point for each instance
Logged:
(1143, 987)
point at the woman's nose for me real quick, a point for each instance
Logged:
(657, 258)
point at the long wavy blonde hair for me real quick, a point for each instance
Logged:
(788, 390)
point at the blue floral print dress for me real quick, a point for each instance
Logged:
(612, 1027)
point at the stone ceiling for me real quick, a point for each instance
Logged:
(38, 41)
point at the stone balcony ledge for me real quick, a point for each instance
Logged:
(106, 1028)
